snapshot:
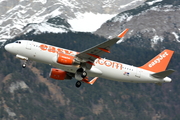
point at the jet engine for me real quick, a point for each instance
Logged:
(80, 74)
(58, 74)
(65, 59)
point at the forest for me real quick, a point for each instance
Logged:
(48, 99)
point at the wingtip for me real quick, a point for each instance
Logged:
(123, 33)
(93, 80)
(90, 82)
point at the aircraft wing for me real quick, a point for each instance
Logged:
(95, 52)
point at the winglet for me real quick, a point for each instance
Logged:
(90, 82)
(123, 33)
(93, 81)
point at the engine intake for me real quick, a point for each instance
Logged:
(80, 74)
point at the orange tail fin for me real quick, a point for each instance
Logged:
(160, 62)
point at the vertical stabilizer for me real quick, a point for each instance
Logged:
(160, 62)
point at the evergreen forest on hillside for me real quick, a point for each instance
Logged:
(47, 99)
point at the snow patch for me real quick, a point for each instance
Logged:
(122, 17)
(42, 1)
(88, 22)
(151, 3)
(2, 42)
(129, 18)
(155, 40)
(131, 4)
(176, 36)
(47, 27)
(69, 3)
(17, 85)
(108, 3)
(56, 12)
(166, 8)
(10, 113)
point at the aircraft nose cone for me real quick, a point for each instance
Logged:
(8, 47)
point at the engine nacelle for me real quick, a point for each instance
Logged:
(57, 74)
(65, 59)
(80, 74)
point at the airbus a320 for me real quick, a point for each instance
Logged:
(68, 64)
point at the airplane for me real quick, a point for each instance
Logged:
(68, 64)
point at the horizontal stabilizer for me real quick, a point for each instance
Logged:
(163, 74)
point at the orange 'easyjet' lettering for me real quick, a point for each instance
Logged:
(109, 63)
(160, 62)
(52, 49)
(43, 47)
(56, 50)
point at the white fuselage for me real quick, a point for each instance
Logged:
(102, 67)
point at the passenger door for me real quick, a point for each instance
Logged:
(138, 72)
(29, 45)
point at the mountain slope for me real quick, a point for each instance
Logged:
(17, 14)
(30, 94)
(157, 21)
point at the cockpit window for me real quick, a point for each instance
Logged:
(18, 42)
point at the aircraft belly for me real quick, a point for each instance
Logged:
(125, 76)
(96, 71)
(44, 57)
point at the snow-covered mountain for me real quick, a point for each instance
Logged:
(20, 16)
(155, 21)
